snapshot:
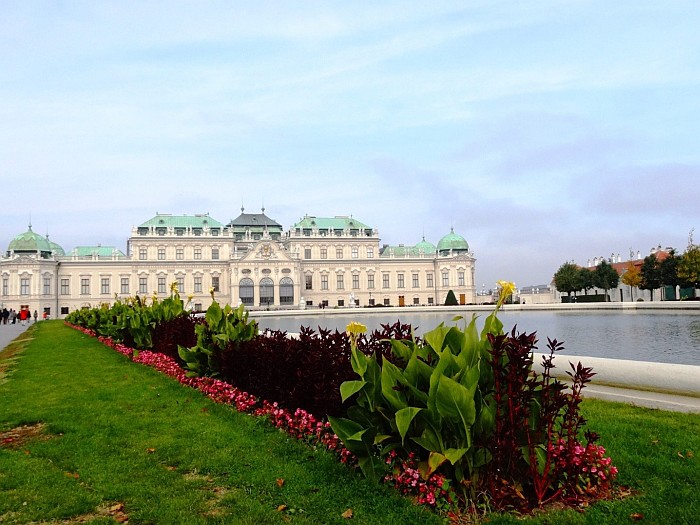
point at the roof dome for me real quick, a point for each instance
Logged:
(56, 248)
(30, 242)
(425, 247)
(452, 242)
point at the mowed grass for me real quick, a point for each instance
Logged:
(118, 440)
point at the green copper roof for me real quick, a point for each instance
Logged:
(425, 247)
(165, 220)
(452, 241)
(331, 223)
(99, 250)
(29, 241)
(56, 248)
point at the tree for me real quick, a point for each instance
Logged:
(451, 300)
(586, 279)
(689, 266)
(668, 271)
(605, 277)
(651, 274)
(632, 277)
(568, 279)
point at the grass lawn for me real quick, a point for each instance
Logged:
(87, 436)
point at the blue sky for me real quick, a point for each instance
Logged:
(543, 132)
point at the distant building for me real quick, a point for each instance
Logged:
(319, 261)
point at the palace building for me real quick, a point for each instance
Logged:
(319, 261)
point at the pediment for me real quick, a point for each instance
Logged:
(267, 250)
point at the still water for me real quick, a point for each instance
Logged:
(637, 336)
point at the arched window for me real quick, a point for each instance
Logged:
(267, 292)
(246, 289)
(286, 291)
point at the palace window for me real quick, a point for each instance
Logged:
(429, 280)
(143, 285)
(85, 286)
(246, 290)
(286, 291)
(370, 253)
(180, 254)
(267, 292)
(400, 283)
(104, 285)
(161, 285)
(324, 282)
(338, 253)
(324, 253)
(307, 253)
(143, 254)
(308, 282)
(198, 284)
(355, 281)
(47, 285)
(355, 252)
(339, 282)
(385, 280)
(214, 253)
(161, 254)
(24, 286)
(460, 278)
(125, 285)
(445, 279)
(197, 253)
(215, 282)
(370, 281)
(180, 284)
(65, 286)
(415, 280)
(5, 286)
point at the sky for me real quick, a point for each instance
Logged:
(543, 132)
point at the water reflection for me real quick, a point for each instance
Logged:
(639, 336)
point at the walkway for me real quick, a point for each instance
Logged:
(9, 332)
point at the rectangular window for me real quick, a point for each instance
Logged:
(179, 254)
(161, 285)
(387, 302)
(341, 303)
(84, 286)
(385, 280)
(161, 254)
(338, 253)
(324, 282)
(125, 285)
(370, 281)
(370, 253)
(339, 282)
(104, 285)
(65, 286)
(460, 279)
(429, 280)
(215, 283)
(416, 301)
(307, 253)
(324, 253)
(180, 284)
(400, 283)
(214, 253)
(47, 285)
(143, 254)
(197, 307)
(64, 310)
(309, 281)
(197, 253)
(197, 284)
(5, 286)
(445, 279)
(143, 285)
(24, 286)
(355, 253)
(430, 300)
(355, 281)
(415, 280)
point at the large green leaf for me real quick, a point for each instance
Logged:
(404, 417)
(393, 385)
(436, 337)
(358, 361)
(350, 388)
(401, 349)
(455, 403)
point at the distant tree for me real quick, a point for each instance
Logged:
(651, 274)
(689, 266)
(568, 279)
(668, 271)
(586, 279)
(451, 300)
(606, 277)
(632, 277)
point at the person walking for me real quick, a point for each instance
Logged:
(36, 315)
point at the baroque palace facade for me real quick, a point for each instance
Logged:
(329, 262)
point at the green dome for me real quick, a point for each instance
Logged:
(30, 242)
(56, 248)
(452, 242)
(425, 247)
